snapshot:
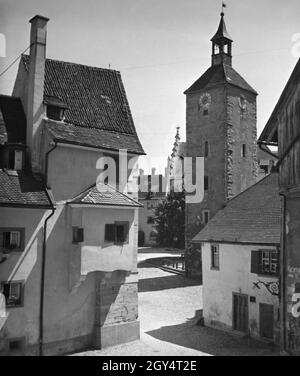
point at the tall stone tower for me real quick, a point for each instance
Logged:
(220, 126)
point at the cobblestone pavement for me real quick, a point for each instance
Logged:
(169, 307)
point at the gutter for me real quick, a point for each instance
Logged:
(43, 272)
(261, 144)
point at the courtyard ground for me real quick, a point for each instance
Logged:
(169, 306)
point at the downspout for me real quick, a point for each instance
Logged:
(43, 270)
(47, 161)
(43, 266)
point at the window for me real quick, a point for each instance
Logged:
(13, 293)
(55, 113)
(265, 262)
(15, 159)
(243, 151)
(205, 112)
(206, 183)
(215, 257)
(150, 220)
(206, 151)
(11, 239)
(117, 233)
(78, 235)
(205, 216)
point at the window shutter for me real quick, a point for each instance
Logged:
(110, 232)
(255, 262)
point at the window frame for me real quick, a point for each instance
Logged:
(21, 230)
(257, 262)
(21, 284)
(215, 249)
(125, 224)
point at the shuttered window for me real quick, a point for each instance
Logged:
(265, 262)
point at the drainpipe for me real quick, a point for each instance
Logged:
(47, 161)
(43, 266)
(43, 272)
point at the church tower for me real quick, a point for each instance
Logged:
(221, 127)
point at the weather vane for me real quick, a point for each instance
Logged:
(223, 7)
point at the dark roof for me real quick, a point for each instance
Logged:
(105, 195)
(222, 32)
(92, 137)
(218, 74)
(95, 97)
(269, 133)
(252, 217)
(21, 189)
(12, 120)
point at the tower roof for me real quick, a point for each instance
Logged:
(220, 74)
(222, 32)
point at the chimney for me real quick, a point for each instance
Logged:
(35, 106)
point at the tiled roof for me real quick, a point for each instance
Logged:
(95, 97)
(253, 216)
(218, 74)
(103, 196)
(21, 189)
(12, 120)
(92, 137)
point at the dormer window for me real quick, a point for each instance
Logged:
(55, 113)
(55, 108)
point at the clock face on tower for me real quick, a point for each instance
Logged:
(205, 101)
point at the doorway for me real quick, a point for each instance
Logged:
(266, 320)
(240, 312)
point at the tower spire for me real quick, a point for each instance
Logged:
(221, 44)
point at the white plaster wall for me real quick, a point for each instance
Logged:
(234, 276)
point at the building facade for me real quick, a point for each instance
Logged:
(68, 267)
(282, 131)
(240, 263)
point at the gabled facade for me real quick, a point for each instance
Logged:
(68, 244)
(282, 131)
(240, 263)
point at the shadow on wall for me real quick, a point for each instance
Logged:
(165, 283)
(211, 341)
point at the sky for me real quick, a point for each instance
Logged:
(160, 47)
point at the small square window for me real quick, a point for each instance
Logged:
(13, 293)
(11, 240)
(205, 112)
(117, 233)
(150, 220)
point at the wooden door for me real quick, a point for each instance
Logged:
(240, 312)
(266, 320)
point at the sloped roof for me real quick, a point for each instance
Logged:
(92, 137)
(252, 217)
(218, 74)
(21, 189)
(95, 97)
(269, 133)
(104, 195)
(12, 120)
(222, 31)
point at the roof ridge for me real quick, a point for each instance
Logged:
(80, 64)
